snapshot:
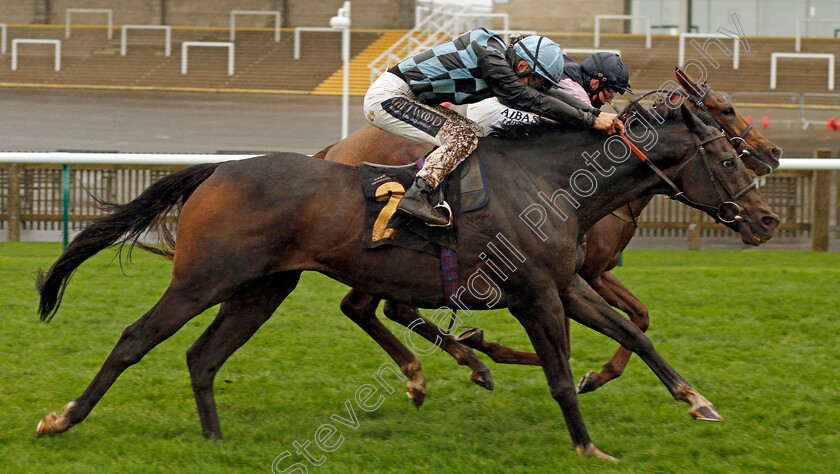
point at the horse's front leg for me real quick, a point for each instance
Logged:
(584, 305)
(617, 295)
(541, 317)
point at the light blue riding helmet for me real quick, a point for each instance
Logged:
(543, 55)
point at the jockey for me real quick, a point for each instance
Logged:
(592, 83)
(473, 66)
(599, 76)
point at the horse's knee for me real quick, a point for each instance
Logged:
(640, 316)
(563, 393)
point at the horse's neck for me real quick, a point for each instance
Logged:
(632, 181)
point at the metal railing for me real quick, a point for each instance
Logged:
(434, 25)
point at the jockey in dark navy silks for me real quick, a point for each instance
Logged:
(599, 77)
(474, 66)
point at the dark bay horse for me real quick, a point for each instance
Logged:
(604, 243)
(247, 229)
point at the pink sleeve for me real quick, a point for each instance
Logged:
(570, 86)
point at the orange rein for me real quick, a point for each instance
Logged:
(633, 147)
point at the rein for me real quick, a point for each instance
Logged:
(726, 197)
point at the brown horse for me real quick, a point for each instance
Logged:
(604, 243)
(247, 229)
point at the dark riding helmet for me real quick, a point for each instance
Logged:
(609, 69)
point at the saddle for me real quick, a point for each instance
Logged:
(464, 190)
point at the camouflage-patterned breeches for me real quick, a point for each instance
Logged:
(458, 137)
(390, 105)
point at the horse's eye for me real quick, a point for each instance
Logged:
(729, 111)
(728, 163)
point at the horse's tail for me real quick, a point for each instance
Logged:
(125, 224)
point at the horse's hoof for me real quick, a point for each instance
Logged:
(483, 379)
(45, 426)
(588, 382)
(706, 413)
(590, 451)
(470, 337)
(417, 397)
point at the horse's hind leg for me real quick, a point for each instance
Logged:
(618, 296)
(474, 338)
(238, 319)
(179, 304)
(361, 308)
(406, 315)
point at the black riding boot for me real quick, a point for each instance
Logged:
(416, 203)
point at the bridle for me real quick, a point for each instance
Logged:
(735, 140)
(728, 199)
(697, 99)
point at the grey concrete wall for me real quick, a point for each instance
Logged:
(568, 16)
(397, 14)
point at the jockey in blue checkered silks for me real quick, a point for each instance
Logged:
(474, 66)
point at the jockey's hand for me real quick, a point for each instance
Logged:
(608, 122)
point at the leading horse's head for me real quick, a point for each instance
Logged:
(712, 178)
(759, 153)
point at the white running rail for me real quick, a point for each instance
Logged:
(69, 158)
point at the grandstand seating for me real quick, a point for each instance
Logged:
(89, 58)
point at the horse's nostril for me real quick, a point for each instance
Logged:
(770, 222)
(776, 152)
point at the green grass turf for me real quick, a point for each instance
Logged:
(756, 332)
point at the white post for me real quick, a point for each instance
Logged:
(598, 19)
(2, 38)
(802, 21)
(106, 11)
(736, 59)
(597, 31)
(167, 32)
(186, 44)
(774, 68)
(301, 29)
(799, 35)
(275, 14)
(56, 43)
(345, 93)
(342, 22)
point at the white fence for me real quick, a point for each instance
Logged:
(69, 158)
(598, 19)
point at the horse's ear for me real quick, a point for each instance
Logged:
(694, 124)
(686, 82)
